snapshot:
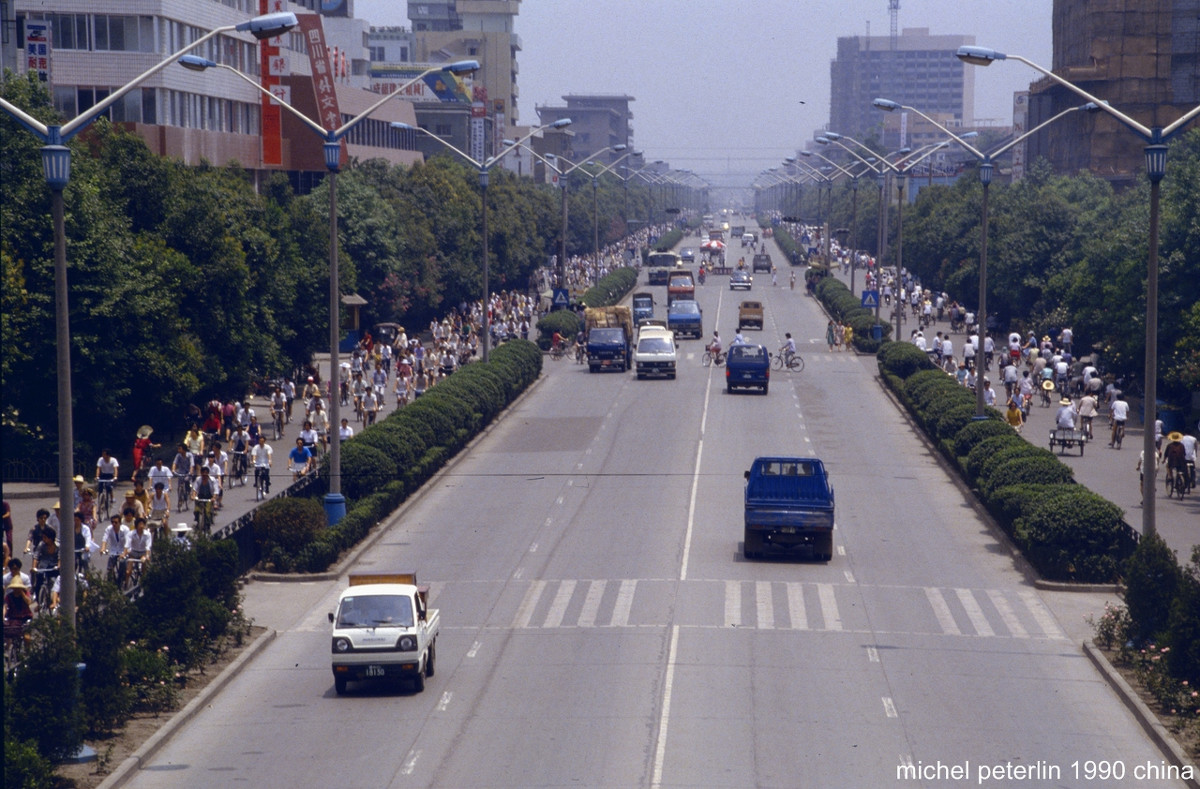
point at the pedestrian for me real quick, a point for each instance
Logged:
(847, 336)
(831, 335)
(1013, 415)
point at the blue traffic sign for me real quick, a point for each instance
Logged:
(870, 299)
(562, 299)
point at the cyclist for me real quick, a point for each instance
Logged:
(106, 473)
(714, 346)
(279, 407)
(18, 605)
(556, 341)
(1175, 458)
(241, 447)
(300, 459)
(738, 339)
(160, 504)
(1189, 456)
(182, 467)
(320, 422)
(137, 547)
(113, 543)
(260, 455)
(203, 493)
(1118, 412)
(788, 349)
(45, 560)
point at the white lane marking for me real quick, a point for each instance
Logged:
(533, 548)
(444, 701)
(691, 519)
(1015, 628)
(906, 760)
(807, 440)
(889, 707)
(974, 612)
(1041, 614)
(579, 465)
(733, 603)
(664, 717)
(841, 550)
(872, 655)
(591, 603)
(942, 611)
(796, 612)
(474, 650)
(559, 500)
(410, 763)
(829, 610)
(763, 607)
(518, 573)
(849, 576)
(549, 521)
(525, 612)
(620, 617)
(559, 607)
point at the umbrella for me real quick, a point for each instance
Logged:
(144, 431)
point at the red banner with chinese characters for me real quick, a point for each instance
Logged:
(273, 65)
(323, 74)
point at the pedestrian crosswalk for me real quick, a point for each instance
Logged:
(780, 605)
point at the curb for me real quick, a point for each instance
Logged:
(133, 763)
(384, 525)
(1158, 733)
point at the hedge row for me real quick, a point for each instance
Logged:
(611, 288)
(389, 460)
(844, 306)
(1065, 530)
(667, 241)
(566, 322)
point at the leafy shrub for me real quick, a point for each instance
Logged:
(24, 766)
(41, 703)
(974, 432)
(390, 444)
(1001, 456)
(289, 523)
(364, 468)
(565, 322)
(1013, 501)
(169, 610)
(1183, 626)
(1152, 580)
(953, 419)
(863, 340)
(1025, 469)
(611, 288)
(103, 623)
(150, 675)
(1076, 536)
(418, 433)
(436, 415)
(923, 380)
(985, 449)
(903, 359)
(668, 240)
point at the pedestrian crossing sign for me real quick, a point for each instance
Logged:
(561, 299)
(870, 299)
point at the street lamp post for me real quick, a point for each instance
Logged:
(56, 161)
(335, 502)
(563, 178)
(596, 200)
(484, 167)
(985, 179)
(1156, 139)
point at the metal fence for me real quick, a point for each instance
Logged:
(35, 470)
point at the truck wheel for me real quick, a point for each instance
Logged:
(591, 368)
(824, 549)
(752, 547)
(339, 685)
(431, 660)
(765, 388)
(640, 376)
(419, 682)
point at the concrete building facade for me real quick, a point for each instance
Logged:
(597, 122)
(1142, 56)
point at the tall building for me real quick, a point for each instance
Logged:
(597, 122)
(913, 68)
(91, 49)
(1142, 56)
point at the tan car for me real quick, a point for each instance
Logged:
(750, 313)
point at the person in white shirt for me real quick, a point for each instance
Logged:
(345, 431)
(1119, 412)
(113, 542)
(159, 473)
(137, 546)
(260, 456)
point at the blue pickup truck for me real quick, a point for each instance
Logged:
(747, 367)
(684, 316)
(789, 508)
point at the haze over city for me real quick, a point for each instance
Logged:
(728, 90)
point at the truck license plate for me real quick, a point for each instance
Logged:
(788, 530)
(374, 671)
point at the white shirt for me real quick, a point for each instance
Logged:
(345, 432)
(163, 475)
(261, 455)
(1120, 410)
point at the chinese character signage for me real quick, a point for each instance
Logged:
(273, 65)
(324, 74)
(37, 50)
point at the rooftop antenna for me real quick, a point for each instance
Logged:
(894, 12)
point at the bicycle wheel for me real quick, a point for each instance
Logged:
(706, 359)
(797, 363)
(777, 362)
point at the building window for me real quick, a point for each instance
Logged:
(124, 33)
(70, 31)
(377, 54)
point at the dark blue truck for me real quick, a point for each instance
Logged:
(789, 508)
(747, 366)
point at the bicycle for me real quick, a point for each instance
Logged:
(792, 361)
(1118, 433)
(239, 469)
(203, 515)
(262, 482)
(14, 644)
(709, 358)
(557, 353)
(45, 587)
(580, 353)
(278, 424)
(1179, 483)
(185, 493)
(104, 497)
(132, 574)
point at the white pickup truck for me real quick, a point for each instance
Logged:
(384, 628)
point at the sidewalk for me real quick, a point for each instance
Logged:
(1108, 472)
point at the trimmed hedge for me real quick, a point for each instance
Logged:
(565, 322)
(387, 461)
(1023, 486)
(844, 306)
(667, 241)
(611, 288)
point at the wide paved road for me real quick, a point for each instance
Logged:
(602, 630)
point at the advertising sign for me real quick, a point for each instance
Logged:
(37, 50)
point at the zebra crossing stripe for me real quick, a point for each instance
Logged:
(796, 612)
(733, 603)
(525, 612)
(559, 607)
(1041, 614)
(624, 604)
(829, 609)
(1015, 628)
(591, 604)
(974, 612)
(942, 611)
(763, 605)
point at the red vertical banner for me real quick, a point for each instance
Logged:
(273, 65)
(324, 73)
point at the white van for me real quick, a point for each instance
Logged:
(655, 352)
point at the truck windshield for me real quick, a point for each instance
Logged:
(375, 610)
(655, 345)
(606, 335)
(747, 352)
(662, 260)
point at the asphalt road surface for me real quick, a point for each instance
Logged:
(601, 629)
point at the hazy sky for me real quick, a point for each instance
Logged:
(718, 85)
